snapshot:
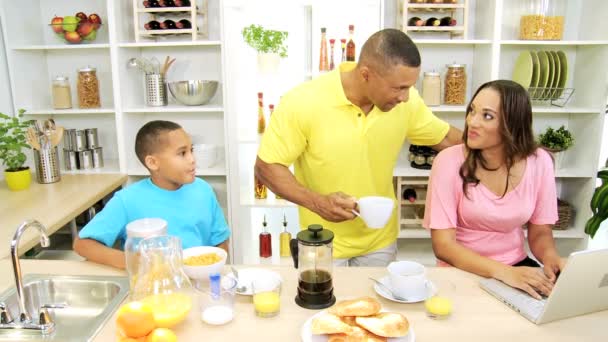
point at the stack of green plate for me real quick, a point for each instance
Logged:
(543, 73)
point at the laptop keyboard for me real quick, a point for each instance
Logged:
(518, 300)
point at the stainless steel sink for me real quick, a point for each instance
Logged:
(90, 300)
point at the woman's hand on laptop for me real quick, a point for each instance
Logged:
(553, 265)
(528, 279)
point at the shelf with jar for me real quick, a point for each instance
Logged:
(170, 18)
(448, 17)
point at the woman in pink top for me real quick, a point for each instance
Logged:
(482, 193)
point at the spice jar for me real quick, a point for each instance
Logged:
(88, 88)
(542, 20)
(455, 84)
(62, 94)
(431, 88)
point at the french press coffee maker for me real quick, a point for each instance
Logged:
(312, 254)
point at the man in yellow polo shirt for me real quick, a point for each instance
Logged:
(344, 131)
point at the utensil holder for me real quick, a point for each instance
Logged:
(47, 165)
(156, 90)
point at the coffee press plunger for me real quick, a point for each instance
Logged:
(313, 258)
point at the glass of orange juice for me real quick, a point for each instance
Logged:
(266, 296)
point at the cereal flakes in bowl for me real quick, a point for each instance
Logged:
(199, 262)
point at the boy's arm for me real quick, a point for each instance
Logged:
(225, 246)
(97, 252)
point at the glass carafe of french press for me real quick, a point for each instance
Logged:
(315, 261)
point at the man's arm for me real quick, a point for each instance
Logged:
(97, 252)
(334, 207)
(454, 137)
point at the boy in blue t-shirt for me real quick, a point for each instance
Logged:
(172, 192)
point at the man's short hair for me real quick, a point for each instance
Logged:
(149, 137)
(389, 47)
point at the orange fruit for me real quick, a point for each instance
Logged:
(161, 335)
(132, 339)
(135, 319)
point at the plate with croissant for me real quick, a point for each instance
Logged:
(357, 320)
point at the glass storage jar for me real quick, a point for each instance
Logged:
(431, 88)
(542, 20)
(88, 88)
(455, 84)
(62, 94)
(137, 231)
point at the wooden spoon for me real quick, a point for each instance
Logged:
(32, 138)
(56, 136)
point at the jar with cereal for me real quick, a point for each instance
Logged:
(455, 84)
(542, 20)
(88, 88)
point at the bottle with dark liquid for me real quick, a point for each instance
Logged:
(152, 25)
(265, 241)
(183, 24)
(409, 194)
(168, 25)
(432, 22)
(350, 46)
(415, 21)
(447, 21)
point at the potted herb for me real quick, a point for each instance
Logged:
(270, 44)
(556, 141)
(12, 142)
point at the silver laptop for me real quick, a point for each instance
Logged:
(581, 288)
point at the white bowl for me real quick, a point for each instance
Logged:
(203, 272)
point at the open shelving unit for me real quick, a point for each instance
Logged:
(488, 49)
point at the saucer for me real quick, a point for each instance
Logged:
(431, 290)
(246, 276)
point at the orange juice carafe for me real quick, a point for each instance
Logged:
(161, 282)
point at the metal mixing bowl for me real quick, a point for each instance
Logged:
(193, 93)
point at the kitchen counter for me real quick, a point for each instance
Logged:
(477, 316)
(54, 205)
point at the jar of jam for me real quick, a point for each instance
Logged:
(88, 88)
(455, 84)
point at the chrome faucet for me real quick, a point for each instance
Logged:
(44, 242)
(24, 321)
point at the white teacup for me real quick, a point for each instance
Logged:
(408, 279)
(375, 210)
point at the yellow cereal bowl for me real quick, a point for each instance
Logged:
(199, 256)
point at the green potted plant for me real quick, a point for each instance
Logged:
(271, 45)
(599, 204)
(12, 142)
(556, 141)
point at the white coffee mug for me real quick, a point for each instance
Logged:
(375, 210)
(408, 279)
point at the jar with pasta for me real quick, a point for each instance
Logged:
(88, 88)
(455, 84)
(542, 20)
